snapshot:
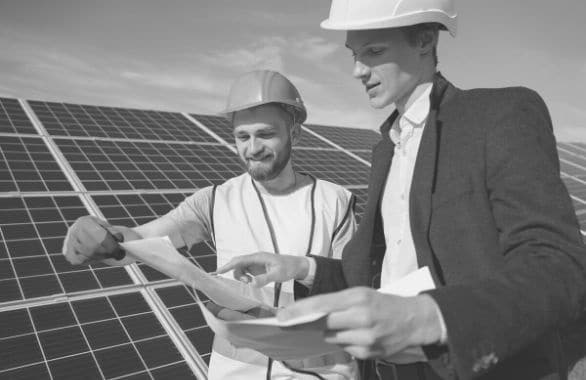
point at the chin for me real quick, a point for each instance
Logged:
(379, 102)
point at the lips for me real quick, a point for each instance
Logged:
(370, 86)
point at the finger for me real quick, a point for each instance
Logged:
(350, 337)
(326, 303)
(241, 264)
(213, 308)
(232, 315)
(263, 279)
(356, 317)
(361, 352)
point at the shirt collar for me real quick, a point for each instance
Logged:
(415, 115)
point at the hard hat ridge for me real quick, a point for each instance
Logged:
(260, 87)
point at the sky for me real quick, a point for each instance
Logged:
(182, 55)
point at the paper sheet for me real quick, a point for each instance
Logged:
(159, 253)
(295, 339)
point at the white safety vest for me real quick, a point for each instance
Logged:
(241, 226)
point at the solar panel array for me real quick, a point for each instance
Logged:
(61, 161)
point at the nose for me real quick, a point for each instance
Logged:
(254, 146)
(360, 70)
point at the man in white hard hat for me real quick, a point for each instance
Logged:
(269, 208)
(465, 183)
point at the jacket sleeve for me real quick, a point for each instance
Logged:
(543, 283)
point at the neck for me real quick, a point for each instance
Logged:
(285, 182)
(405, 102)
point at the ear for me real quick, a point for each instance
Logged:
(428, 40)
(295, 133)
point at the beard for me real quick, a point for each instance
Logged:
(270, 170)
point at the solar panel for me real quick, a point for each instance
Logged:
(127, 165)
(26, 165)
(135, 165)
(13, 119)
(32, 231)
(334, 166)
(62, 119)
(347, 138)
(133, 209)
(364, 154)
(182, 305)
(217, 124)
(116, 336)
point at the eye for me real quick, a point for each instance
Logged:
(375, 50)
(241, 137)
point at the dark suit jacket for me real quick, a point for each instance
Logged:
(492, 219)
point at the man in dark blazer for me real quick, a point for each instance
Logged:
(488, 215)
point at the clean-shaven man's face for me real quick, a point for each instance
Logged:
(263, 140)
(386, 64)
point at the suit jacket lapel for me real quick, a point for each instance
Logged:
(381, 162)
(423, 182)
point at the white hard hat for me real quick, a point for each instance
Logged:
(379, 14)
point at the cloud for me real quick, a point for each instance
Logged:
(267, 53)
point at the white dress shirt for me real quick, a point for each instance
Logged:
(400, 257)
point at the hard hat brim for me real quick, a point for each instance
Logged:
(301, 112)
(395, 22)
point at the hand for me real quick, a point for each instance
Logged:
(91, 239)
(368, 324)
(233, 315)
(266, 268)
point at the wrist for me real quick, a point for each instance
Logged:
(302, 268)
(428, 321)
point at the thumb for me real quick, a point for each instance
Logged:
(264, 279)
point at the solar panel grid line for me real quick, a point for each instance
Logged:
(201, 125)
(334, 145)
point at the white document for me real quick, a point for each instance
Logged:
(160, 254)
(295, 339)
(411, 285)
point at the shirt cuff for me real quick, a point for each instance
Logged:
(443, 328)
(308, 280)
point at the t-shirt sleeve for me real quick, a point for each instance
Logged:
(192, 217)
(346, 225)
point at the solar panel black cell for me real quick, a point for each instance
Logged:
(31, 244)
(13, 119)
(109, 122)
(170, 166)
(333, 166)
(20, 157)
(86, 339)
(180, 303)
